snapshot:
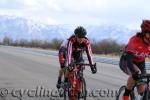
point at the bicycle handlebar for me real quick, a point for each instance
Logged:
(85, 64)
(144, 76)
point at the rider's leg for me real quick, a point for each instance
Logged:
(141, 88)
(130, 85)
(131, 81)
(61, 73)
(66, 76)
(62, 61)
(124, 66)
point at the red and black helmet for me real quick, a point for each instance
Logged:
(145, 26)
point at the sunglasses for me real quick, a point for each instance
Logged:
(79, 36)
(146, 32)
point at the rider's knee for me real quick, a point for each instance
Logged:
(130, 83)
(141, 88)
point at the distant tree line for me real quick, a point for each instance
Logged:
(53, 44)
(106, 46)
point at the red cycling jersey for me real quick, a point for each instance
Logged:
(138, 48)
(73, 45)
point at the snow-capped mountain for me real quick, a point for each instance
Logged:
(105, 31)
(21, 28)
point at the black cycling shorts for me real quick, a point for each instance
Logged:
(125, 68)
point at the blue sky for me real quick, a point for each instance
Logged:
(125, 12)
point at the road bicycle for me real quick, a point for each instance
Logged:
(142, 79)
(76, 85)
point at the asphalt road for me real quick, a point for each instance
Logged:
(31, 74)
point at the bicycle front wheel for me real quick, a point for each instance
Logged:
(67, 93)
(82, 87)
(121, 92)
(146, 94)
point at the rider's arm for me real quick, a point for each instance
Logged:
(89, 52)
(69, 52)
(130, 51)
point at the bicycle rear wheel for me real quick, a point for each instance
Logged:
(121, 92)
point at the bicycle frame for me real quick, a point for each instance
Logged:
(74, 78)
(76, 82)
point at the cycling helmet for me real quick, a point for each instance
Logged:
(145, 26)
(80, 31)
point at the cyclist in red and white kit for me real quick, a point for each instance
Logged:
(132, 61)
(72, 51)
(77, 44)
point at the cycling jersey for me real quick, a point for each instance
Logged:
(138, 48)
(73, 48)
(135, 53)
